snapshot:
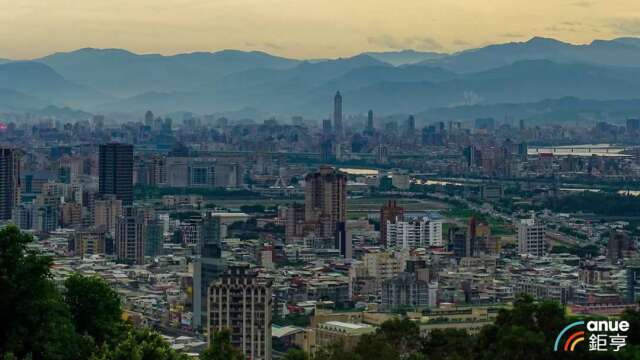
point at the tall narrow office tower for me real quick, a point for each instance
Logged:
(116, 171)
(369, 128)
(337, 115)
(9, 181)
(207, 266)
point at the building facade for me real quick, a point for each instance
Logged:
(130, 236)
(325, 201)
(531, 237)
(241, 302)
(116, 171)
(390, 213)
(9, 181)
(417, 233)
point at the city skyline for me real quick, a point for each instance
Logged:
(38, 29)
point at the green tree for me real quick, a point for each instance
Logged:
(336, 351)
(395, 339)
(34, 320)
(138, 344)
(448, 344)
(95, 307)
(295, 354)
(221, 348)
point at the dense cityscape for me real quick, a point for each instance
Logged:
(423, 180)
(295, 235)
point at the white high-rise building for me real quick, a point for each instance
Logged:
(531, 237)
(417, 233)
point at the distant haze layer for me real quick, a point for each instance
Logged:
(303, 28)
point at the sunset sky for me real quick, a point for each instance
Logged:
(302, 28)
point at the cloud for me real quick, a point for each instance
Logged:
(512, 35)
(274, 46)
(267, 45)
(459, 42)
(627, 26)
(583, 3)
(559, 28)
(414, 42)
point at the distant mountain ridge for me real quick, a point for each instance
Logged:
(404, 57)
(616, 52)
(37, 80)
(123, 73)
(115, 80)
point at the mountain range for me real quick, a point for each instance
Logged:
(114, 80)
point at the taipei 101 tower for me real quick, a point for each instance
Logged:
(337, 115)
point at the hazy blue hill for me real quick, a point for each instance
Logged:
(159, 102)
(123, 73)
(617, 52)
(268, 89)
(279, 89)
(563, 109)
(523, 72)
(390, 90)
(525, 81)
(11, 100)
(364, 76)
(404, 57)
(41, 81)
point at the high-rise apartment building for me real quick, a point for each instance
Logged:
(106, 212)
(293, 222)
(130, 236)
(325, 201)
(407, 290)
(389, 213)
(207, 266)
(116, 171)
(9, 181)
(531, 237)
(619, 246)
(241, 302)
(416, 233)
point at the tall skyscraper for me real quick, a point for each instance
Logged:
(207, 267)
(620, 246)
(9, 181)
(391, 212)
(411, 125)
(633, 283)
(294, 223)
(116, 171)
(326, 128)
(130, 236)
(337, 115)
(369, 127)
(148, 118)
(241, 302)
(155, 237)
(325, 200)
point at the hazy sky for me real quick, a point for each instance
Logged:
(302, 28)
